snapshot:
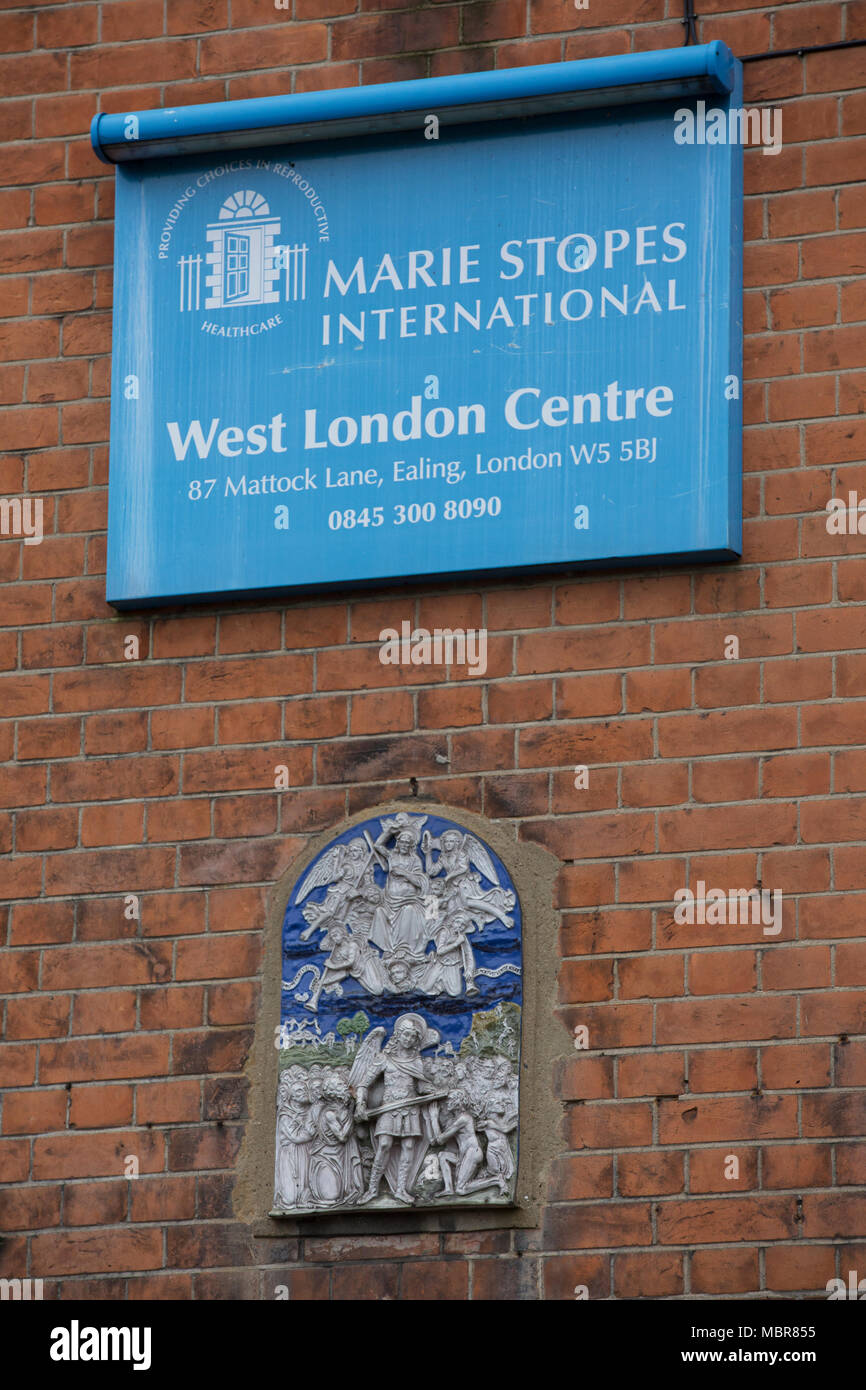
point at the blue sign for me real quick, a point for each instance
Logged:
(482, 347)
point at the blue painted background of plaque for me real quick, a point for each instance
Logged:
(483, 184)
(495, 945)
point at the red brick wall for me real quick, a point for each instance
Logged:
(129, 1037)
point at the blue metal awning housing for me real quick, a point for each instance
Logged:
(231, 125)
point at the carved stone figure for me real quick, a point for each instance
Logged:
(460, 887)
(401, 1116)
(400, 920)
(497, 1118)
(466, 1154)
(403, 971)
(296, 1132)
(353, 893)
(335, 1158)
(350, 955)
(479, 1082)
(452, 962)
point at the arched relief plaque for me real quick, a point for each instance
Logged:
(400, 1023)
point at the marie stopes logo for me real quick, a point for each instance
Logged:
(239, 260)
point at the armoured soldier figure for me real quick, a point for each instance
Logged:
(402, 1070)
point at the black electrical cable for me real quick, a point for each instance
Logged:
(689, 20)
(801, 52)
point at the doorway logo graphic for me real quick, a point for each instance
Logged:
(244, 260)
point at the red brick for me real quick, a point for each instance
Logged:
(797, 967)
(182, 728)
(834, 1114)
(180, 819)
(95, 1059)
(582, 697)
(819, 1018)
(591, 648)
(105, 1011)
(31, 1112)
(651, 977)
(96, 1155)
(30, 1208)
(100, 1107)
(95, 1203)
(162, 1199)
(619, 930)
(435, 1279)
(112, 825)
(524, 54)
(46, 828)
(597, 1226)
(834, 1216)
(711, 1222)
(804, 1268)
(129, 963)
(711, 827)
(725, 1271)
(851, 1164)
(797, 1065)
(115, 733)
(99, 1251)
(612, 1024)
(217, 957)
(100, 872)
(128, 688)
(722, 972)
(796, 1166)
(195, 1148)
(851, 1063)
(803, 306)
(249, 632)
(564, 1275)
(379, 1282)
(726, 779)
(723, 1069)
(648, 1275)
(33, 923)
(582, 1175)
(662, 1074)
(701, 1119)
(733, 1020)
(247, 723)
(830, 915)
(14, 1160)
(168, 1102)
(172, 1008)
(520, 796)
(19, 971)
(233, 1003)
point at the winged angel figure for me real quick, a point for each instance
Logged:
(392, 1077)
(344, 917)
(459, 887)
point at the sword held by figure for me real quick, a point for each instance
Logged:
(413, 1101)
